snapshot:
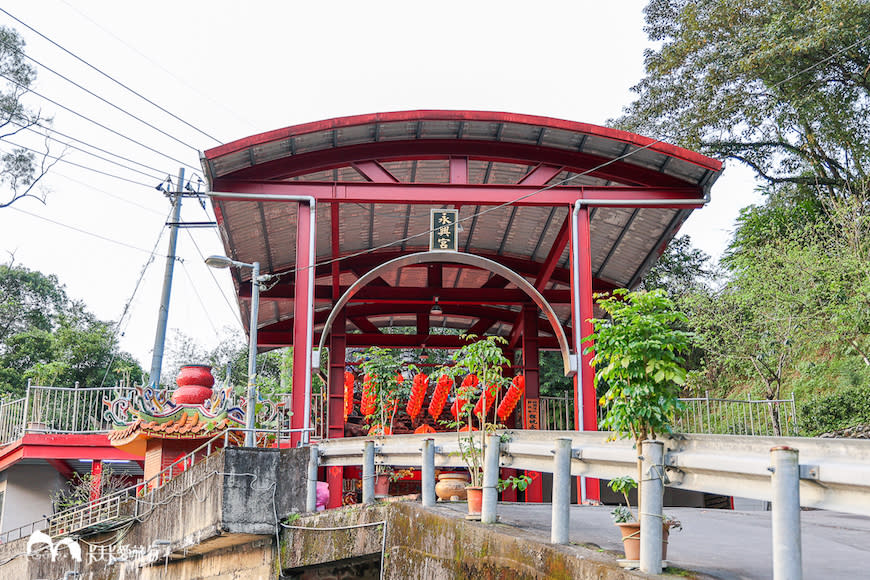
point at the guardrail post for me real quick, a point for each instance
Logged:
(427, 472)
(490, 479)
(651, 497)
(786, 513)
(368, 473)
(311, 498)
(561, 492)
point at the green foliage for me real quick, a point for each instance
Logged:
(680, 269)
(778, 85)
(622, 485)
(520, 482)
(383, 367)
(484, 358)
(637, 353)
(50, 339)
(845, 408)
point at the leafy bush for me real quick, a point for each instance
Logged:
(844, 408)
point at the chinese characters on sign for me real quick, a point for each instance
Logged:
(532, 417)
(443, 226)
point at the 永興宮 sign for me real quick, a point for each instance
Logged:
(443, 224)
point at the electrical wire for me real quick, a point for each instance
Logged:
(179, 79)
(85, 151)
(79, 230)
(92, 146)
(104, 192)
(215, 280)
(126, 309)
(198, 297)
(73, 163)
(117, 82)
(97, 123)
(98, 97)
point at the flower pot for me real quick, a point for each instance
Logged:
(382, 485)
(451, 486)
(631, 540)
(475, 500)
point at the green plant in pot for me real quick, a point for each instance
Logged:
(629, 525)
(637, 356)
(484, 359)
(383, 388)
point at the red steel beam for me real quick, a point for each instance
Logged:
(302, 310)
(540, 175)
(447, 194)
(374, 172)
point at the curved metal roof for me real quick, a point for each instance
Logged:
(381, 173)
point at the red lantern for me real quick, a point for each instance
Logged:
(368, 403)
(486, 400)
(512, 397)
(348, 394)
(439, 397)
(418, 393)
(424, 428)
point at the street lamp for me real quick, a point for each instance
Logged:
(256, 279)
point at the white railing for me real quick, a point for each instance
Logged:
(557, 413)
(759, 417)
(834, 474)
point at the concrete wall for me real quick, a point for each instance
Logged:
(28, 493)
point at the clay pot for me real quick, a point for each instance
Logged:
(194, 385)
(631, 540)
(451, 486)
(382, 485)
(475, 500)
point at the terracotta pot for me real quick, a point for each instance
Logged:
(382, 484)
(451, 486)
(194, 385)
(631, 540)
(475, 500)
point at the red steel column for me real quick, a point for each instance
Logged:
(335, 410)
(531, 415)
(586, 374)
(302, 312)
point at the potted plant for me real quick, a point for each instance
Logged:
(383, 387)
(481, 360)
(629, 525)
(638, 361)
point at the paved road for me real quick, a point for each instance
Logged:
(722, 544)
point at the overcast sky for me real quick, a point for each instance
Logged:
(227, 70)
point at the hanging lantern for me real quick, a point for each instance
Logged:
(439, 397)
(418, 393)
(368, 403)
(484, 403)
(348, 394)
(512, 397)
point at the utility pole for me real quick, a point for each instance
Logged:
(163, 314)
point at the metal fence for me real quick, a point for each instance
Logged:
(738, 417)
(557, 413)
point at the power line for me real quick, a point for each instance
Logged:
(100, 149)
(179, 79)
(126, 310)
(215, 280)
(86, 152)
(117, 82)
(97, 123)
(61, 159)
(79, 230)
(103, 191)
(96, 96)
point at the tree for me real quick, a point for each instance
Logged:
(20, 169)
(781, 86)
(681, 269)
(46, 337)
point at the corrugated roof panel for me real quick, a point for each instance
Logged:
(270, 151)
(313, 142)
(518, 133)
(439, 129)
(354, 135)
(397, 131)
(480, 130)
